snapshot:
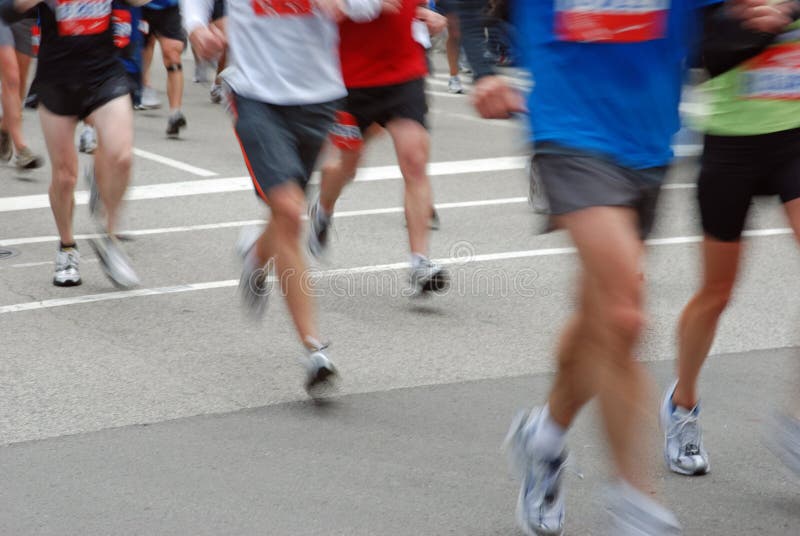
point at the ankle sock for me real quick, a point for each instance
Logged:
(550, 438)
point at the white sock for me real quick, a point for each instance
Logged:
(416, 259)
(322, 214)
(550, 438)
(174, 111)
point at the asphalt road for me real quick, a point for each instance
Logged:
(163, 411)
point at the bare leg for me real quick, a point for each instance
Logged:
(335, 176)
(412, 144)
(24, 62)
(113, 157)
(12, 104)
(698, 323)
(172, 50)
(59, 133)
(453, 44)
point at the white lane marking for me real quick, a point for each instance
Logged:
(44, 263)
(236, 184)
(508, 255)
(246, 223)
(200, 172)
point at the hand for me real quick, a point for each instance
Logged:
(762, 15)
(392, 6)
(208, 42)
(435, 22)
(493, 98)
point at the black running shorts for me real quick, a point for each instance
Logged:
(368, 106)
(280, 144)
(736, 168)
(81, 100)
(574, 180)
(165, 23)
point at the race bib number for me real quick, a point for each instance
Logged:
(611, 21)
(774, 74)
(345, 134)
(282, 8)
(82, 17)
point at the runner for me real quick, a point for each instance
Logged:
(163, 19)
(752, 147)
(453, 43)
(218, 20)
(285, 80)
(78, 77)
(384, 70)
(603, 111)
(11, 78)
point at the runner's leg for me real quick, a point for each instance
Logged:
(114, 155)
(336, 174)
(12, 104)
(171, 52)
(59, 133)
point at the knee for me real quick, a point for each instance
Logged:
(414, 164)
(122, 160)
(65, 178)
(624, 322)
(287, 216)
(11, 82)
(715, 298)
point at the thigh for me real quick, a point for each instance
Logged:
(59, 133)
(113, 122)
(8, 63)
(268, 144)
(411, 142)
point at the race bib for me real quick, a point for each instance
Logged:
(282, 8)
(345, 134)
(611, 21)
(82, 17)
(774, 74)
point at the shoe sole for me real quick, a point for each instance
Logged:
(67, 283)
(664, 416)
(321, 384)
(177, 132)
(438, 283)
(522, 522)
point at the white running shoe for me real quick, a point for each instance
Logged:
(150, 100)
(683, 438)
(216, 93)
(254, 284)
(540, 507)
(320, 371)
(454, 85)
(88, 140)
(114, 262)
(427, 276)
(635, 514)
(67, 273)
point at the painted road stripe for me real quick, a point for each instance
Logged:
(200, 172)
(191, 287)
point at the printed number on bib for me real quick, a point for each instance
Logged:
(282, 8)
(82, 17)
(774, 74)
(611, 21)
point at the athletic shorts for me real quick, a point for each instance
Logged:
(574, 180)
(280, 144)
(368, 106)
(6, 35)
(165, 23)
(736, 168)
(81, 100)
(23, 36)
(219, 11)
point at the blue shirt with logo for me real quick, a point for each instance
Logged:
(608, 73)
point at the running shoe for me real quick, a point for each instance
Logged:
(114, 262)
(88, 141)
(540, 507)
(683, 438)
(254, 286)
(785, 440)
(31, 101)
(175, 123)
(95, 205)
(6, 147)
(216, 93)
(200, 72)
(318, 235)
(27, 159)
(320, 371)
(150, 100)
(454, 85)
(427, 276)
(67, 273)
(435, 223)
(635, 514)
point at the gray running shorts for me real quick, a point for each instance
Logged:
(280, 144)
(6, 36)
(23, 36)
(574, 180)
